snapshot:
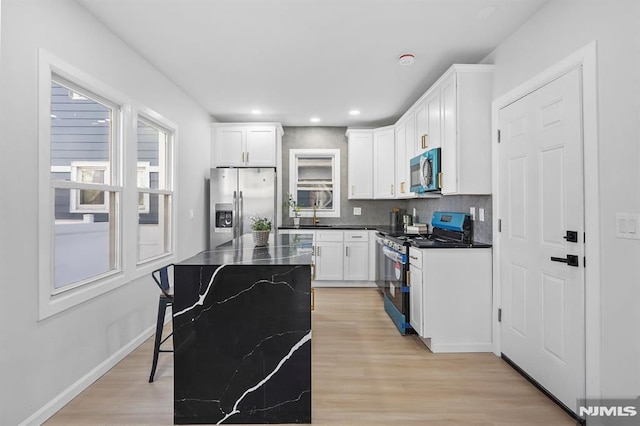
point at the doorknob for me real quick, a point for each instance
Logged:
(571, 260)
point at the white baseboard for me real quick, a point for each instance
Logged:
(62, 399)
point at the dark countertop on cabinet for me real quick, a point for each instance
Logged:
(322, 227)
(281, 250)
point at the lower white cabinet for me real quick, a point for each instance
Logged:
(340, 256)
(416, 314)
(451, 298)
(356, 252)
(329, 260)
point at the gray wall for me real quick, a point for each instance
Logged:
(374, 212)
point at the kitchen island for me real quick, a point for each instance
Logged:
(242, 333)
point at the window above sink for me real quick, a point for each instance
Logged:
(314, 182)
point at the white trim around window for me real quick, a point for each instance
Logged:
(121, 184)
(317, 187)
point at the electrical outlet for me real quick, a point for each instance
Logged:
(472, 211)
(627, 226)
(481, 214)
(357, 211)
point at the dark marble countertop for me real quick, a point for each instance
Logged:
(338, 227)
(281, 250)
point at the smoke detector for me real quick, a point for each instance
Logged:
(406, 59)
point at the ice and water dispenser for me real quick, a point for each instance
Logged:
(224, 217)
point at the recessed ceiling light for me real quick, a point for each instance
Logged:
(315, 120)
(406, 59)
(486, 12)
(354, 112)
(256, 111)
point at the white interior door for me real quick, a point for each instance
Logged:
(541, 198)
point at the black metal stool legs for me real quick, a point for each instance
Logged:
(162, 308)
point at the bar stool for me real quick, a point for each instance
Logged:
(161, 277)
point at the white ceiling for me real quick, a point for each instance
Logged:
(294, 59)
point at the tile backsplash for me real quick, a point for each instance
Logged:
(482, 231)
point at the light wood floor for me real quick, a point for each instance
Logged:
(364, 372)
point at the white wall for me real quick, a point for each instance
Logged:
(557, 30)
(39, 360)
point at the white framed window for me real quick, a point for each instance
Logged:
(314, 181)
(155, 188)
(93, 188)
(84, 138)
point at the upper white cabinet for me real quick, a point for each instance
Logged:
(466, 129)
(433, 137)
(384, 158)
(245, 145)
(405, 134)
(360, 164)
(454, 115)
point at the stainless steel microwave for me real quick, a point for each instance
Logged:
(426, 175)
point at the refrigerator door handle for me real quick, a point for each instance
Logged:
(234, 218)
(241, 217)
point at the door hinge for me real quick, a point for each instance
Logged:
(498, 135)
(499, 225)
(499, 314)
(584, 237)
(584, 261)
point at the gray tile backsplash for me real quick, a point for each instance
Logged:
(374, 212)
(482, 231)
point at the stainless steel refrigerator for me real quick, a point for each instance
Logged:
(236, 195)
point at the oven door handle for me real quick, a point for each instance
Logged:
(394, 255)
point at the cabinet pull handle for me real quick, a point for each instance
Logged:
(318, 252)
(313, 272)
(402, 187)
(242, 156)
(413, 257)
(391, 190)
(440, 180)
(313, 299)
(356, 236)
(247, 156)
(408, 278)
(352, 189)
(424, 141)
(347, 251)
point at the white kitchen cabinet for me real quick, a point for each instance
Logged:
(405, 151)
(341, 258)
(384, 163)
(415, 290)
(433, 138)
(410, 142)
(402, 184)
(356, 260)
(360, 164)
(245, 145)
(456, 298)
(466, 129)
(422, 124)
(329, 260)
